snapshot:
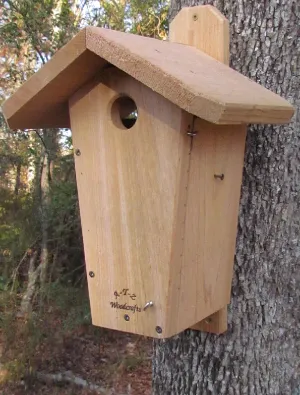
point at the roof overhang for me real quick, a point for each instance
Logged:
(184, 75)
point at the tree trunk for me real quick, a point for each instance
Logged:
(260, 352)
(25, 307)
(18, 179)
(50, 141)
(44, 218)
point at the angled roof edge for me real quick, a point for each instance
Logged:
(184, 75)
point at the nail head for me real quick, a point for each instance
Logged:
(158, 330)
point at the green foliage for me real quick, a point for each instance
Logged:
(66, 309)
(8, 309)
(73, 304)
(146, 18)
(16, 229)
(38, 194)
(43, 25)
(3, 284)
(131, 362)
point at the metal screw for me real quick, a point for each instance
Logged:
(92, 274)
(126, 317)
(220, 176)
(195, 17)
(77, 152)
(192, 134)
(158, 330)
(148, 304)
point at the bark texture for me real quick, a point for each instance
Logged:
(33, 273)
(260, 352)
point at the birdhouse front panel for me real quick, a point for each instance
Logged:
(128, 174)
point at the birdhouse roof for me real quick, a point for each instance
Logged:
(182, 74)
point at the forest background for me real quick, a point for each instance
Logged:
(43, 293)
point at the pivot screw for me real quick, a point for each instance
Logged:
(158, 330)
(126, 317)
(92, 274)
(77, 152)
(148, 304)
(192, 134)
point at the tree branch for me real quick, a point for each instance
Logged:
(69, 377)
(42, 140)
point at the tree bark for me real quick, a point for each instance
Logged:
(45, 179)
(18, 179)
(26, 306)
(50, 141)
(259, 354)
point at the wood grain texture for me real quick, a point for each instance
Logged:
(128, 183)
(155, 220)
(215, 323)
(204, 28)
(186, 76)
(42, 101)
(204, 274)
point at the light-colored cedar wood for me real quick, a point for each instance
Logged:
(215, 323)
(63, 75)
(154, 218)
(128, 183)
(184, 75)
(205, 28)
(204, 275)
(202, 27)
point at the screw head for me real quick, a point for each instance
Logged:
(92, 274)
(126, 317)
(158, 330)
(77, 152)
(195, 17)
(220, 176)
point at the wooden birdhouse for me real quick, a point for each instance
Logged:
(159, 133)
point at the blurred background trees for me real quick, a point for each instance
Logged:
(41, 251)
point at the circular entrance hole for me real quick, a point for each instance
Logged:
(124, 112)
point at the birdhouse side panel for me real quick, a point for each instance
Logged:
(127, 182)
(212, 206)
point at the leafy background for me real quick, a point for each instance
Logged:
(45, 321)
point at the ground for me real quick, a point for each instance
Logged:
(119, 363)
